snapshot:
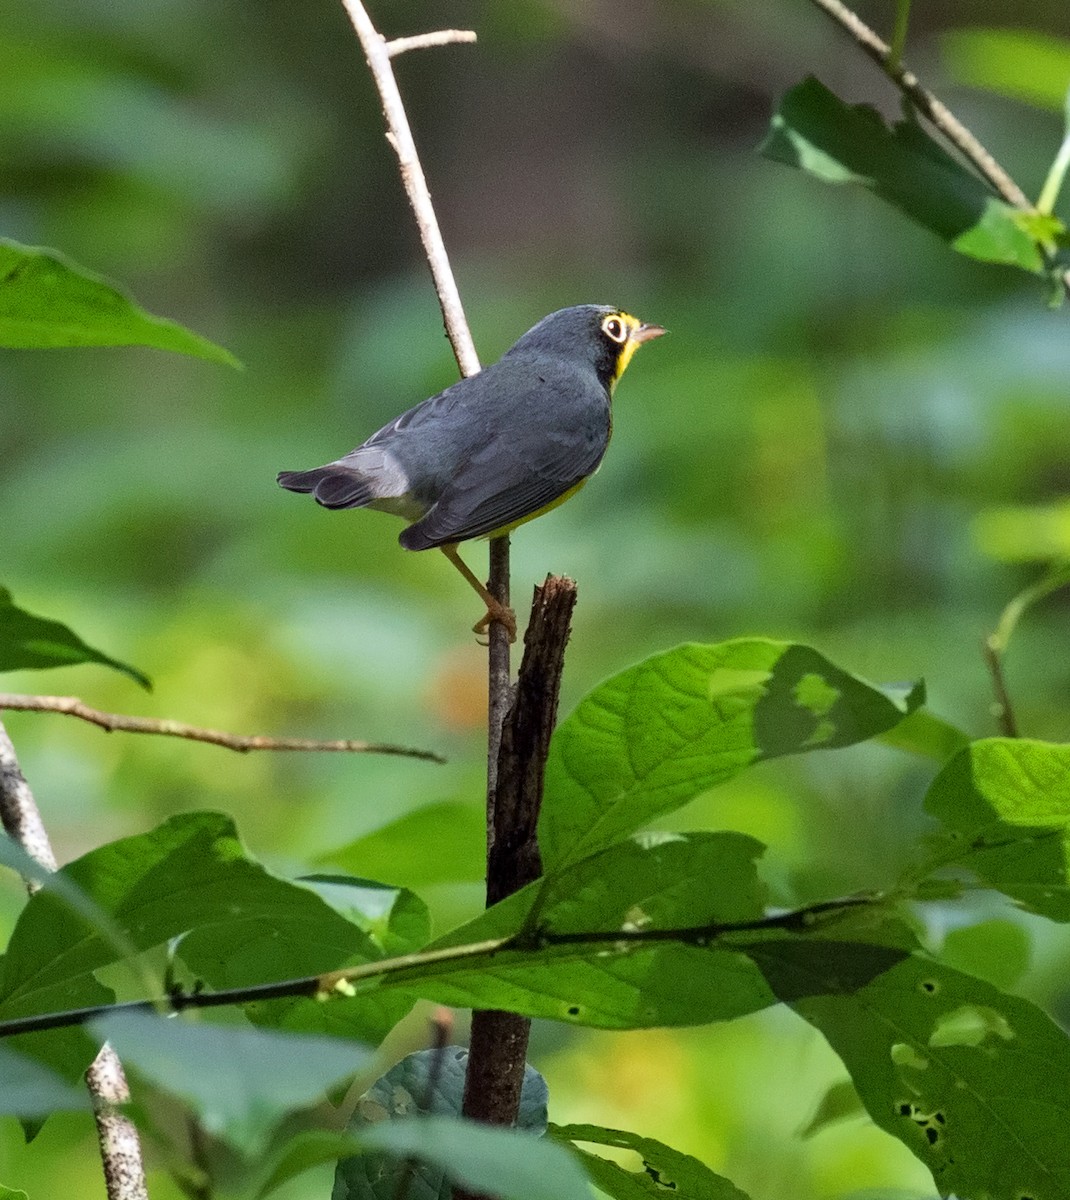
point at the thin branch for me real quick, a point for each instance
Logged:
(1002, 709)
(71, 706)
(421, 41)
(926, 103)
(995, 646)
(343, 983)
(117, 1136)
(399, 135)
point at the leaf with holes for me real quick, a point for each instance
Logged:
(973, 1081)
(33, 643)
(581, 967)
(46, 301)
(653, 737)
(1005, 806)
(665, 1171)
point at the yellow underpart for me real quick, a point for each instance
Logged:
(537, 513)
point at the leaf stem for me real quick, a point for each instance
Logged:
(1049, 193)
(899, 34)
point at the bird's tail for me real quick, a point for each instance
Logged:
(332, 486)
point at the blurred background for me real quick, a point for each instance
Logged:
(852, 437)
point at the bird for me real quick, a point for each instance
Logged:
(495, 449)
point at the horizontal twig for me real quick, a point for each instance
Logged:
(421, 41)
(71, 706)
(341, 983)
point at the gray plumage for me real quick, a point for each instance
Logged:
(492, 450)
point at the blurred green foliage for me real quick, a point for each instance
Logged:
(833, 445)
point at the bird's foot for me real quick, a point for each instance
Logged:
(500, 613)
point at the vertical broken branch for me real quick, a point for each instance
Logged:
(499, 1040)
(120, 1146)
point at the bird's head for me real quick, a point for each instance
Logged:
(598, 334)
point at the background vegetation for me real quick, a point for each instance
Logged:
(852, 437)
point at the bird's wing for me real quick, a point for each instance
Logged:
(507, 481)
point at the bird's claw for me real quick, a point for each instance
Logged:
(503, 615)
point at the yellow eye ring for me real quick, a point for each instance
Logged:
(615, 329)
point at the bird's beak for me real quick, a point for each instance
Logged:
(647, 333)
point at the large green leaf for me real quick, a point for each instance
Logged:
(394, 920)
(973, 1081)
(836, 142)
(32, 1090)
(191, 876)
(47, 301)
(428, 1081)
(665, 1171)
(1005, 803)
(29, 642)
(238, 1082)
(439, 843)
(654, 881)
(653, 737)
(499, 1162)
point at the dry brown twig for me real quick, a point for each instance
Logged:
(71, 706)
(120, 1146)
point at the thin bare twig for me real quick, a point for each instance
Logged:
(399, 135)
(926, 103)
(120, 1146)
(421, 41)
(71, 706)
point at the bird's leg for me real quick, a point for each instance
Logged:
(496, 611)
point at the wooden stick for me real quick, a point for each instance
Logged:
(71, 706)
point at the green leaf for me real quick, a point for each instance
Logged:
(191, 876)
(7, 1193)
(1005, 803)
(926, 735)
(654, 881)
(1023, 64)
(440, 843)
(499, 1162)
(664, 1171)
(394, 922)
(973, 1081)
(841, 143)
(1025, 532)
(653, 737)
(403, 1093)
(840, 1102)
(301, 1153)
(996, 951)
(29, 642)
(47, 301)
(32, 1090)
(238, 1082)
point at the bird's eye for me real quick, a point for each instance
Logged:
(613, 328)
